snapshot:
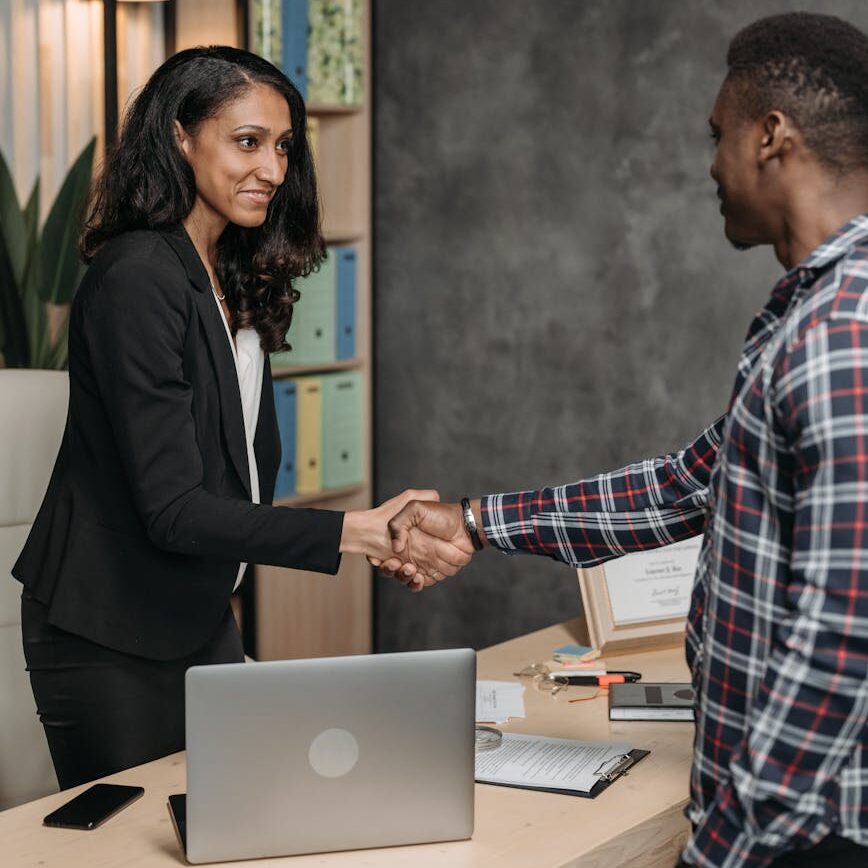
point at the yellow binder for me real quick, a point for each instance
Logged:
(308, 444)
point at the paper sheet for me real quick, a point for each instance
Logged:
(498, 701)
(551, 763)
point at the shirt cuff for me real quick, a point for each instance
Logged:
(502, 520)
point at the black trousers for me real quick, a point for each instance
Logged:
(104, 711)
(832, 852)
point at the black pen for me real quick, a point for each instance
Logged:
(600, 680)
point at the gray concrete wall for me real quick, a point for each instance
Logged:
(554, 295)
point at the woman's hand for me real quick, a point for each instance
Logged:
(423, 534)
(424, 560)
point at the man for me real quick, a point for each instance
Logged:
(777, 636)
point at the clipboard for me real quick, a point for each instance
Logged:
(617, 767)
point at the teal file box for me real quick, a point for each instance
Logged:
(342, 430)
(284, 406)
(295, 34)
(346, 301)
(312, 332)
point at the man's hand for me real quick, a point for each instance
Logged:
(424, 561)
(426, 534)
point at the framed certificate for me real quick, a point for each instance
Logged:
(640, 601)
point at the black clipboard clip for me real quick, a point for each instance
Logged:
(614, 767)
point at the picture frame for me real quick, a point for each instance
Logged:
(652, 573)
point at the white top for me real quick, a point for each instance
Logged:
(249, 365)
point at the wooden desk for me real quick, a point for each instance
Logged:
(635, 822)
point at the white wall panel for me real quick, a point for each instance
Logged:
(51, 81)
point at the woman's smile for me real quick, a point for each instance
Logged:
(258, 196)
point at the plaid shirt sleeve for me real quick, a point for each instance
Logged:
(812, 705)
(645, 505)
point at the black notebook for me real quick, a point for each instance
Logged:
(645, 700)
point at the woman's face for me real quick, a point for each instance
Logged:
(239, 157)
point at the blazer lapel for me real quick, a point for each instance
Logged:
(266, 443)
(218, 343)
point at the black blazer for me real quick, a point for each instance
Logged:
(148, 513)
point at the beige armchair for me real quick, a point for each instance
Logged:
(32, 417)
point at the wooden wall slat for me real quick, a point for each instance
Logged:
(22, 149)
(80, 65)
(96, 80)
(140, 48)
(207, 22)
(52, 99)
(51, 83)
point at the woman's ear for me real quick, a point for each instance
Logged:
(182, 139)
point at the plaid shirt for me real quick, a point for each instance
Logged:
(777, 635)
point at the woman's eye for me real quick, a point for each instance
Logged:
(284, 145)
(247, 141)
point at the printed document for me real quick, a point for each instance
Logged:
(498, 701)
(548, 763)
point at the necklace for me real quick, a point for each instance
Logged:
(219, 297)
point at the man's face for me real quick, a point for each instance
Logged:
(736, 170)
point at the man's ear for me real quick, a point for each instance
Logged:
(777, 136)
(182, 139)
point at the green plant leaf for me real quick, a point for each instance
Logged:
(12, 323)
(13, 224)
(57, 358)
(35, 326)
(31, 222)
(58, 268)
(31, 211)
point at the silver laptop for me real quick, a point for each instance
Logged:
(310, 756)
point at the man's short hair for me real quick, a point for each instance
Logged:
(814, 69)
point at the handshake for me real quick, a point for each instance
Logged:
(412, 537)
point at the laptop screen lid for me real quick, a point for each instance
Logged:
(309, 756)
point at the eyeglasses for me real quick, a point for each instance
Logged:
(554, 683)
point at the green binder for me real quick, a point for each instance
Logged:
(342, 434)
(312, 333)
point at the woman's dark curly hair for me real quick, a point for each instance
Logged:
(147, 184)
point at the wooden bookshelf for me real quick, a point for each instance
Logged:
(343, 234)
(321, 497)
(281, 371)
(321, 108)
(297, 613)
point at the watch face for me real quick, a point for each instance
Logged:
(470, 524)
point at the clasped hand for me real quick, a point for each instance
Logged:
(412, 537)
(429, 543)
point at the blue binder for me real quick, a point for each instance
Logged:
(284, 406)
(345, 326)
(295, 28)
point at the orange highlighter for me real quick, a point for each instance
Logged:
(601, 680)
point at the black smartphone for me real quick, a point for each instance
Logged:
(93, 807)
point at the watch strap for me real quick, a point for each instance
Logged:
(470, 524)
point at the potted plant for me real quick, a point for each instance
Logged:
(40, 271)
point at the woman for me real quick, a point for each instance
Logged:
(199, 222)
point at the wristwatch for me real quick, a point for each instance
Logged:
(470, 524)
